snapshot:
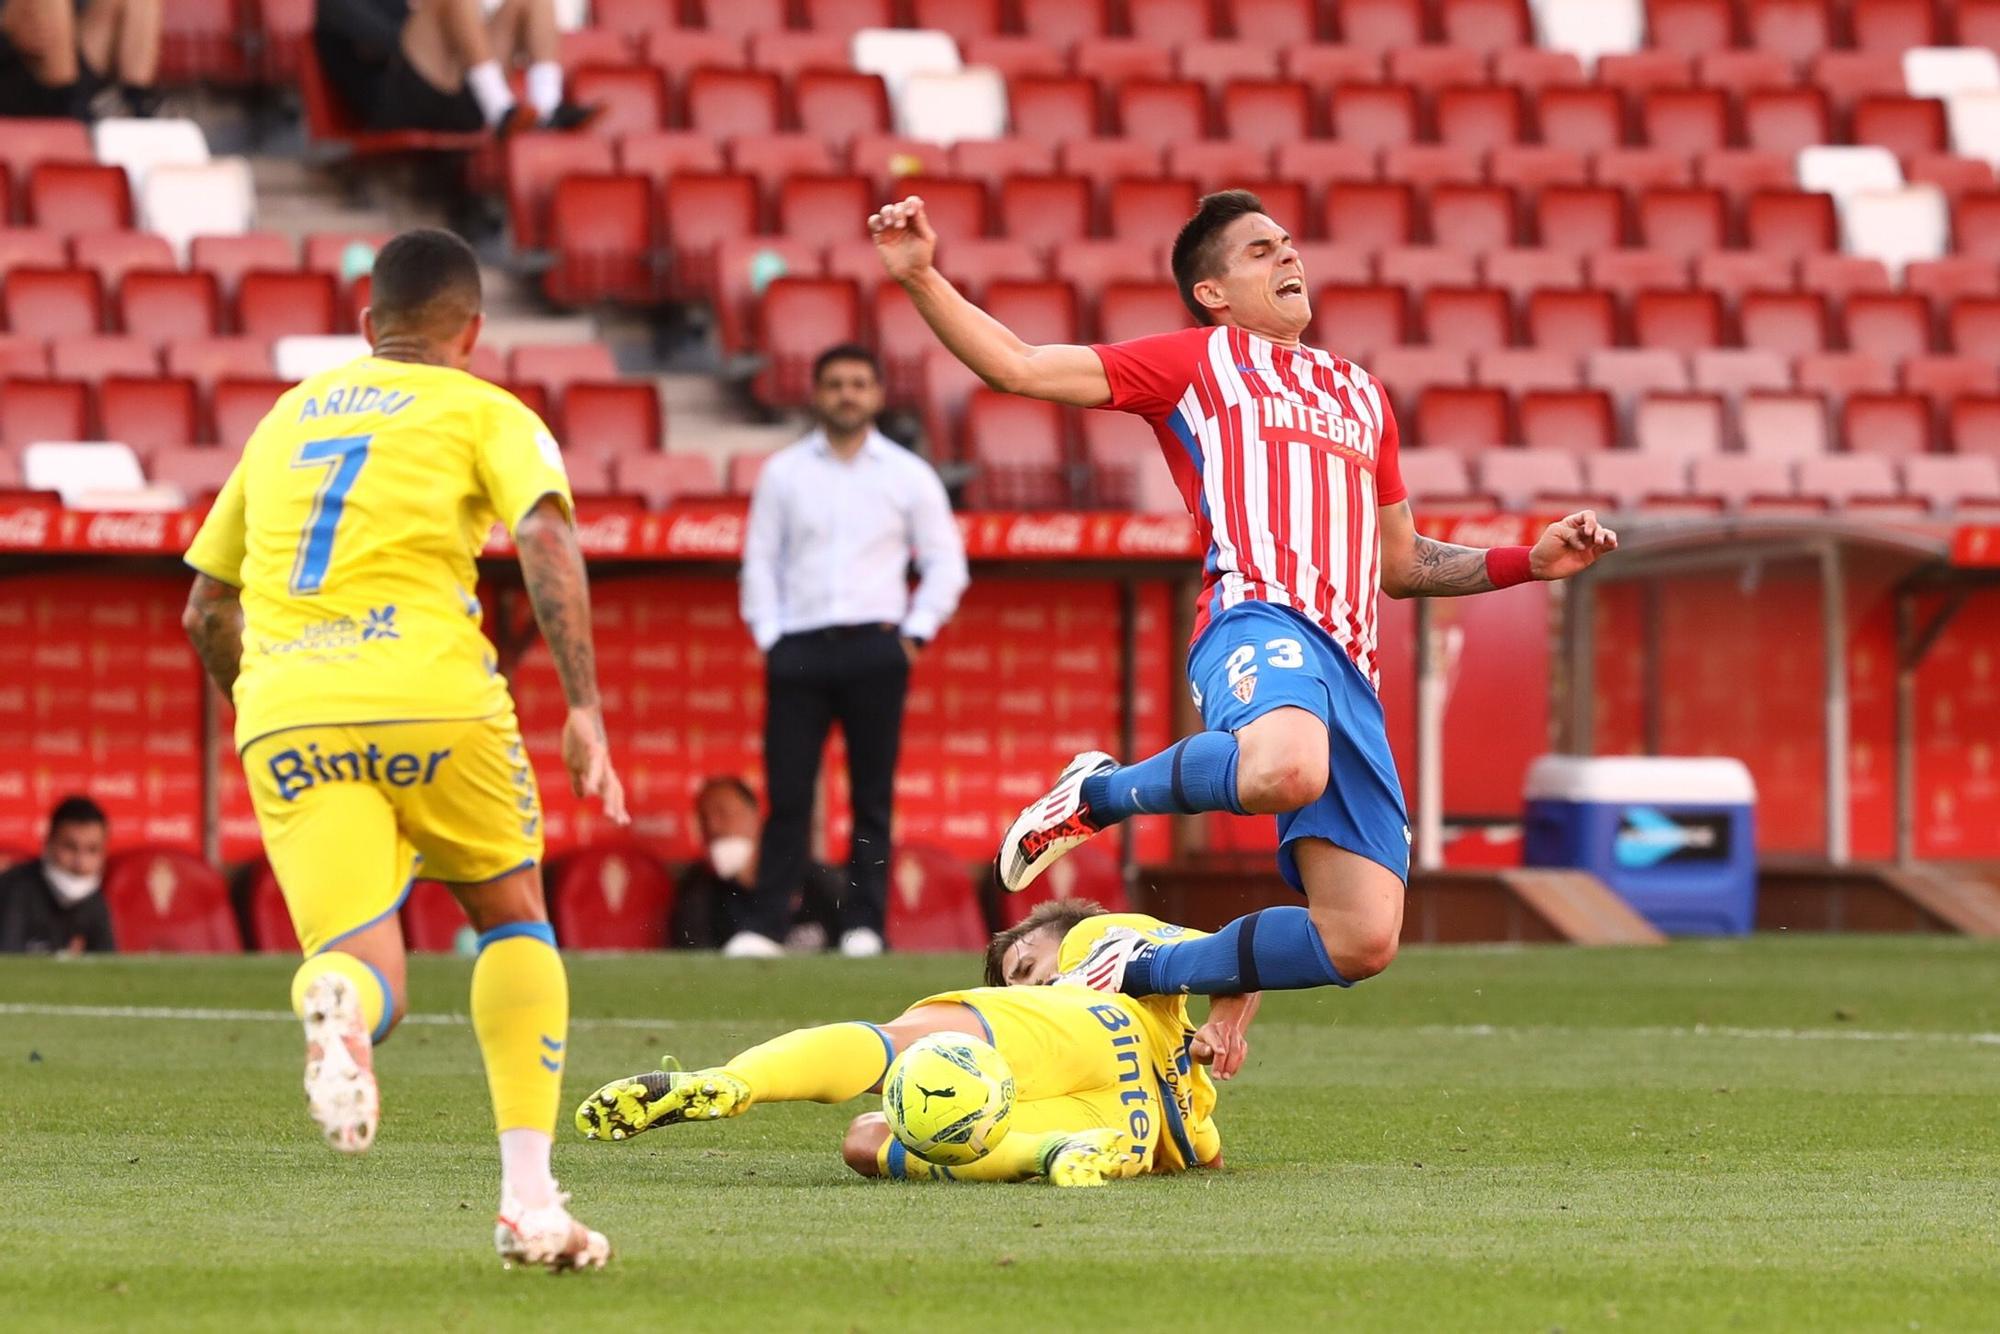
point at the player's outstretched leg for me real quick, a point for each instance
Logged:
(520, 1014)
(1066, 1158)
(1197, 773)
(346, 1006)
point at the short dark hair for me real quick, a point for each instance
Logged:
(845, 352)
(425, 280)
(725, 783)
(75, 809)
(1062, 914)
(1197, 248)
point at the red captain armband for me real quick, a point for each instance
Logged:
(1507, 566)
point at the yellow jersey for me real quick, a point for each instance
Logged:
(1187, 1095)
(352, 525)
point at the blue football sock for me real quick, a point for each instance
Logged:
(1277, 949)
(1197, 773)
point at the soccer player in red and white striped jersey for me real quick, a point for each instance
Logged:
(1287, 458)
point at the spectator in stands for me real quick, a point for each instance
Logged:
(56, 56)
(56, 905)
(713, 896)
(442, 64)
(835, 522)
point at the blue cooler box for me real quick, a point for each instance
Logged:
(1675, 838)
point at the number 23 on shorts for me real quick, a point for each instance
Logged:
(1282, 653)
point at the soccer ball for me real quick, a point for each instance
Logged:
(949, 1098)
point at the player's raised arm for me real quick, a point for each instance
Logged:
(1415, 566)
(1058, 372)
(552, 568)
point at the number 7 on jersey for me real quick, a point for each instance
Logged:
(346, 453)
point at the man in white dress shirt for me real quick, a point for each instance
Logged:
(836, 521)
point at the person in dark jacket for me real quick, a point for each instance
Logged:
(713, 899)
(55, 905)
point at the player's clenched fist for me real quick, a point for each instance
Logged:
(1571, 546)
(903, 237)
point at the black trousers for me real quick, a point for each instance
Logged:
(856, 676)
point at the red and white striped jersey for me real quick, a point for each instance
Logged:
(1283, 455)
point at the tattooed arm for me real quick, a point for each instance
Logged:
(1415, 566)
(559, 590)
(214, 624)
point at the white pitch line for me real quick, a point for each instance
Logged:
(1699, 1031)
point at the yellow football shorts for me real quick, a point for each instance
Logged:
(350, 811)
(1079, 1059)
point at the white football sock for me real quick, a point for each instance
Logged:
(545, 87)
(489, 88)
(524, 1168)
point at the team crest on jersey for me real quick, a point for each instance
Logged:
(1245, 686)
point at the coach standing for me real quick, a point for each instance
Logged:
(835, 523)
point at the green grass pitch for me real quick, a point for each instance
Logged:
(1777, 1134)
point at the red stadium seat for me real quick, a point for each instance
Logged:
(771, 158)
(1575, 421)
(1975, 226)
(963, 19)
(697, 213)
(1064, 22)
(272, 304)
(1575, 322)
(1635, 478)
(1739, 173)
(1634, 170)
(1172, 21)
(1427, 69)
(1906, 126)
(1680, 426)
(1524, 369)
(732, 102)
(1629, 373)
(1682, 222)
(1534, 68)
(839, 105)
(1468, 419)
(1626, 273)
(206, 360)
(1285, 24)
(1835, 375)
(23, 356)
(1742, 72)
(37, 409)
(1371, 217)
(230, 257)
(113, 254)
(1381, 25)
(239, 405)
(1122, 465)
(1894, 25)
(1685, 120)
(1360, 318)
(1137, 209)
(1847, 479)
(168, 304)
(633, 97)
(1580, 219)
(1948, 481)
(601, 232)
(1102, 161)
(1162, 111)
(1972, 425)
(797, 318)
(1421, 268)
(1943, 281)
(1436, 476)
(1407, 371)
(1944, 378)
(1089, 266)
(73, 197)
(1484, 25)
(30, 247)
(1786, 120)
(1016, 446)
(432, 919)
(1894, 325)
(1322, 161)
(1486, 116)
(1518, 478)
(1732, 372)
(823, 210)
(1979, 22)
(975, 264)
(1134, 310)
(901, 339)
(611, 898)
(896, 165)
(52, 302)
(1522, 271)
(1895, 425)
(1838, 277)
(787, 53)
(198, 473)
(1473, 218)
(1466, 319)
(1323, 68)
(1734, 273)
(662, 479)
(535, 163)
(1784, 426)
(31, 141)
(1374, 115)
(1217, 164)
(1044, 211)
(1038, 312)
(1635, 73)
(1424, 167)
(661, 155)
(1791, 223)
(1015, 55)
(578, 50)
(1052, 109)
(149, 411)
(1682, 321)
(844, 17)
(932, 906)
(1584, 119)
(90, 357)
(166, 901)
(1790, 323)
(1797, 29)
(611, 417)
(1264, 113)
(1757, 484)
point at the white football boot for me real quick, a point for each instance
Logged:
(547, 1237)
(340, 1065)
(1053, 824)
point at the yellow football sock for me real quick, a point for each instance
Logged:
(1015, 1158)
(830, 1064)
(368, 984)
(520, 1013)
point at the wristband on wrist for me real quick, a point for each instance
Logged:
(1507, 566)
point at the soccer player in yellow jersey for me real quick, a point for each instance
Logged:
(334, 602)
(1106, 1086)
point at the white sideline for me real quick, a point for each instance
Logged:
(1418, 1030)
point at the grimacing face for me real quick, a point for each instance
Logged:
(1031, 960)
(847, 396)
(1262, 282)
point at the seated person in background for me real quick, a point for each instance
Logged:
(442, 64)
(57, 55)
(56, 905)
(712, 897)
